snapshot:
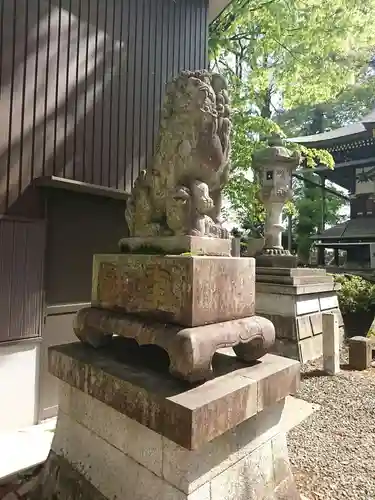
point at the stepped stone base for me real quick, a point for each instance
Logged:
(294, 301)
(131, 433)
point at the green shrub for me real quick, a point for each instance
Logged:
(356, 294)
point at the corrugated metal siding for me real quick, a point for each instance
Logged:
(21, 278)
(82, 82)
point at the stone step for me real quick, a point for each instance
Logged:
(295, 271)
(293, 280)
(303, 289)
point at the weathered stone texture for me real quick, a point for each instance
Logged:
(186, 470)
(82, 466)
(249, 462)
(187, 290)
(189, 416)
(331, 343)
(275, 164)
(180, 192)
(190, 350)
(125, 431)
(60, 481)
(360, 353)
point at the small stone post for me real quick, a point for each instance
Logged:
(331, 343)
(360, 353)
(236, 247)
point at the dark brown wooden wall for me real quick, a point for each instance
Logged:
(82, 82)
(21, 278)
(78, 227)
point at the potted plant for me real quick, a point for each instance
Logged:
(357, 303)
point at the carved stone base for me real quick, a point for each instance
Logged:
(279, 260)
(190, 350)
(176, 245)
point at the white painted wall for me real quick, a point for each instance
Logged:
(19, 383)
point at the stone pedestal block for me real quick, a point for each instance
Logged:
(294, 301)
(188, 305)
(127, 432)
(186, 290)
(331, 343)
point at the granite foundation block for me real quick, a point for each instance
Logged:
(187, 290)
(107, 456)
(189, 415)
(114, 440)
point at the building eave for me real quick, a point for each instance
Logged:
(216, 7)
(344, 133)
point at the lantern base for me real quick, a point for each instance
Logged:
(276, 257)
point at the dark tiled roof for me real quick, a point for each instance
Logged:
(354, 129)
(362, 227)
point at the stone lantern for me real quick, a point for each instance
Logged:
(294, 299)
(274, 165)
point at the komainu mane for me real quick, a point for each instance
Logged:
(180, 193)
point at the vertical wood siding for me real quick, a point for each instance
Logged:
(82, 82)
(21, 278)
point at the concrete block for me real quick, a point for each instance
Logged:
(283, 305)
(285, 326)
(331, 343)
(188, 470)
(109, 470)
(286, 490)
(249, 479)
(311, 348)
(275, 376)
(304, 327)
(280, 458)
(360, 353)
(328, 302)
(176, 245)
(248, 462)
(316, 323)
(127, 435)
(306, 305)
(287, 348)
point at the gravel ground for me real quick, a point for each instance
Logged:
(333, 451)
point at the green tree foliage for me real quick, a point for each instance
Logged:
(350, 106)
(300, 51)
(284, 54)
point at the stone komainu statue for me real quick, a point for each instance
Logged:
(180, 193)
